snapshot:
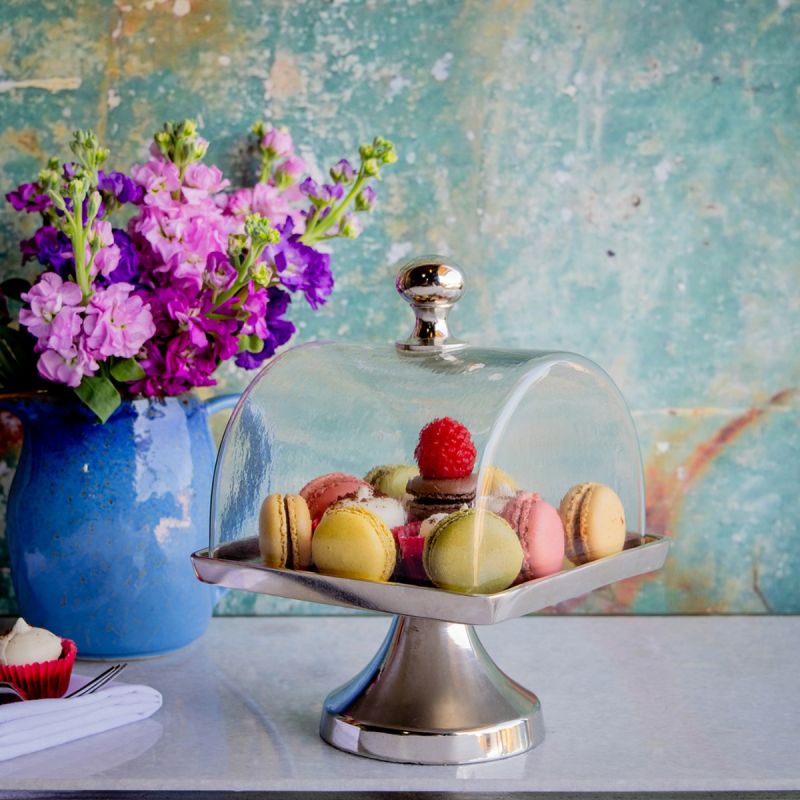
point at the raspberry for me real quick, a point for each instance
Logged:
(445, 450)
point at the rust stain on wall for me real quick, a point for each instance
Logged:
(666, 488)
(158, 38)
(26, 140)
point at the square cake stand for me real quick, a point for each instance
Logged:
(431, 694)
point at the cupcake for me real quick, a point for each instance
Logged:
(37, 662)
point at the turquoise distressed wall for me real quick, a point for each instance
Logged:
(619, 178)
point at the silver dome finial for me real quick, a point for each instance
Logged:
(431, 285)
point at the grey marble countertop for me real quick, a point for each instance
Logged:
(631, 704)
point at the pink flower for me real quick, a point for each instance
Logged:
(105, 261)
(200, 180)
(117, 323)
(277, 142)
(46, 298)
(289, 171)
(67, 367)
(65, 328)
(102, 230)
(264, 199)
(159, 178)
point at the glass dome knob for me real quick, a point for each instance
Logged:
(431, 285)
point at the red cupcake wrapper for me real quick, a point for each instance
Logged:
(44, 678)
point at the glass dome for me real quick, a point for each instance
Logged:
(549, 420)
(528, 491)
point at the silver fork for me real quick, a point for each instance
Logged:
(9, 690)
(99, 681)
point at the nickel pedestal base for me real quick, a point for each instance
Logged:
(432, 695)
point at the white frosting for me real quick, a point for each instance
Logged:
(391, 511)
(430, 523)
(26, 645)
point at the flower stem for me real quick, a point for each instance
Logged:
(314, 234)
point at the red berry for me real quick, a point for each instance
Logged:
(445, 450)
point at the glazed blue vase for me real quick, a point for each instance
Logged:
(102, 519)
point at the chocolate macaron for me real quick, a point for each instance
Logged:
(440, 495)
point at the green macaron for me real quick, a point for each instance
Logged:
(474, 552)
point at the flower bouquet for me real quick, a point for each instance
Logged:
(199, 274)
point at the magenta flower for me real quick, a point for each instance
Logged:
(219, 273)
(46, 298)
(117, 323)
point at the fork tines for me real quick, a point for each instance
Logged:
(99, 681)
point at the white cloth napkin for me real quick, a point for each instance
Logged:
(32, 725)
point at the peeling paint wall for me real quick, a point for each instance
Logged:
(619, 178)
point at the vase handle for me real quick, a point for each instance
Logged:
(221, 402)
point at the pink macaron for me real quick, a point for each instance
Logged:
(540, 531)
(321, 493)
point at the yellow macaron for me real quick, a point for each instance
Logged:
(354, 542)
(594, 522)
(284, 531)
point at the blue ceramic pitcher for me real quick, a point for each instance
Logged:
(102, 519)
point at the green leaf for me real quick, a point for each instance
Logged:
(127, 369)
(99, 394)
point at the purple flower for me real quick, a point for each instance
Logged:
(326, 194)
(301, 268)
(51, 248)
(127, 270)
(342, 171)
(117, 323)
(125, 189)
(29, 197)
(310, 188)
(279, 330)
(365, 199)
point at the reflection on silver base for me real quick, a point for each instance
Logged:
(432, 695)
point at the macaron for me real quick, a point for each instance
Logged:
(495, 481)
(391, 479)
(284, 531)
(322, 492)
(440, 495)
(474, 552)
(353, 542)
(540, 531)
(594, 522)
